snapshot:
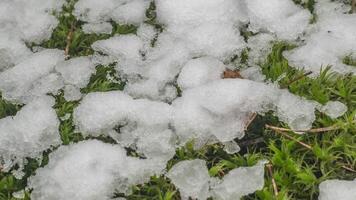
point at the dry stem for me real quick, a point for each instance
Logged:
(69, 39)
(270, 171)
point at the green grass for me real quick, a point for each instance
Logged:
(296, 169)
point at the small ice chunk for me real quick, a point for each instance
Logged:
(72, 93)
(25, 136)
(231, 147)
(334, 109)
(337, 189)
(19, 194)
(98, 28)
(191, 177)
(281, 17)
(240, 182)
(16, 83)
(199, 71)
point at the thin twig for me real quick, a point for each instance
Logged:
(315, 130)
(348, 169)
(252, 117)
(270, 171)
(296, 79)
(290, 137)
(69, 39)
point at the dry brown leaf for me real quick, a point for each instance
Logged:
(228, 73)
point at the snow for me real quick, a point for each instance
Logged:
(280, 17)
(24, 21)
(222, 108)
(120, 47)
(24, 135)
(200, 71)
(89, 170)
(240, 182)
(97, 14)
(46, 72)
(17, 83)
(174, 91)
(98, 28)
(192, 179)
(329, 41)
(199, 24)
(143, 122)
(337, 189)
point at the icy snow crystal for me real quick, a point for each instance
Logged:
(33, 130)
(89, 170)
(337, 189)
